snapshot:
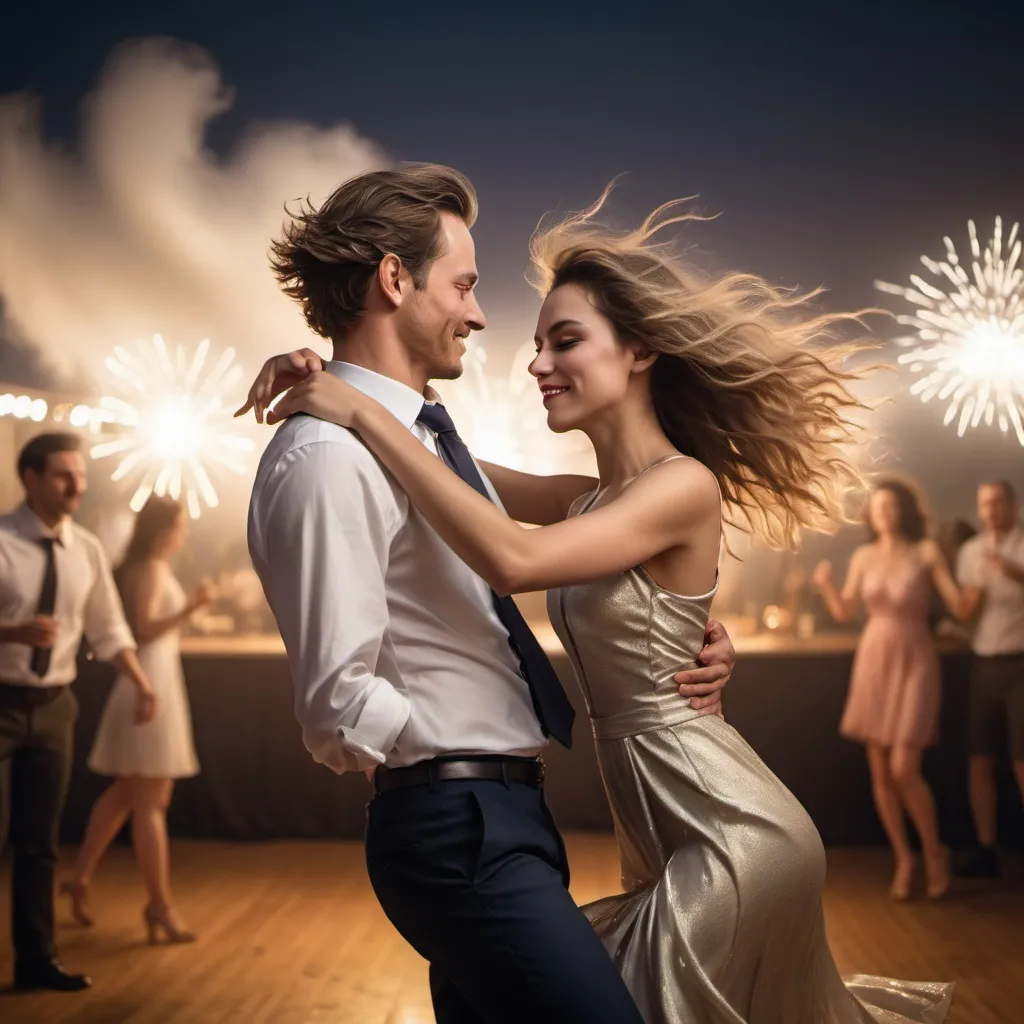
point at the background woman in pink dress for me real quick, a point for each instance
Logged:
(895, 689)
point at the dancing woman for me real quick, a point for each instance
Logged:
(896, 688)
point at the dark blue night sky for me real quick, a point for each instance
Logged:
(838, 143)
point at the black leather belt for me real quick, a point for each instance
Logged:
(426, 773)
(24, 695)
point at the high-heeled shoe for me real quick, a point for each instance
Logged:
(160, 919)
(78, 893)
(939, 874)
(903, 880)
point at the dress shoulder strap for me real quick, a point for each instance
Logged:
(583, 502)
(670, 458)
(586, 501)
(658, 462)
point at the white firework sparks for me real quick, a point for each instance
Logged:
(502, 418)
(968, 345)
(175, 413)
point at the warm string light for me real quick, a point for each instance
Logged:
(176, 413)
(968, 345)
(23, 407)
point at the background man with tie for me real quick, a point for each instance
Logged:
(55, 585)
(405, 663)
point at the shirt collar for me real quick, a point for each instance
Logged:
(32, 526)
(399, 399)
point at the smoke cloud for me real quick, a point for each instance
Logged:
(143, 230)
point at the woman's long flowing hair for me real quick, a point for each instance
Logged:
(159, 515)
(750, 380)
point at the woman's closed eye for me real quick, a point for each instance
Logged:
(558, 346)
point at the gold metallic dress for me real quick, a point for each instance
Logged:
(721, 920)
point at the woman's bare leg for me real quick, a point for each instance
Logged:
(905, 766)
(106, 819)
(889, 805)
(150, 799)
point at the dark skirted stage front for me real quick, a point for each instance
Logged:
(786, 697)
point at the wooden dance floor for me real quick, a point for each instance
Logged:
(290, 933)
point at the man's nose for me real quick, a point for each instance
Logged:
(476, 319)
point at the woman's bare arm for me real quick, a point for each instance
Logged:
(658, 513)
(540, 500)
(653, 515)
(843, 604)
(956, 601)
(142, 602)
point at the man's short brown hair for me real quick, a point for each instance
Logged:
(328, 256)
(36, 451)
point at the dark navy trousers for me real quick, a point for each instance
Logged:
(473, 874)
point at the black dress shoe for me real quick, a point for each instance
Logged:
(48, 974)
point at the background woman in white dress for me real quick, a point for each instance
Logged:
(144, 760)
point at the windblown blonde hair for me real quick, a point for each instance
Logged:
(749, 379)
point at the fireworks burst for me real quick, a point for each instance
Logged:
(175, 414)
(968, 345)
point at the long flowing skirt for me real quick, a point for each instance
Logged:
(721, 922)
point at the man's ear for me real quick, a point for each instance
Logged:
(392, 279)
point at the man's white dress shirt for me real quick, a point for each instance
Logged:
(87, 599)
(396, 652)
(1000, 625)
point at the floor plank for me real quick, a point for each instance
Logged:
(290, 933)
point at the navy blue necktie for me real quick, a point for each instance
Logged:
(552, 707)
(47, 603)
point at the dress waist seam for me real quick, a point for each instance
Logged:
(641, 721)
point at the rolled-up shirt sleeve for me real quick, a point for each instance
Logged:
(325, 525)
(103, 620)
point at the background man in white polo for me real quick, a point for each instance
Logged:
(990, 567)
